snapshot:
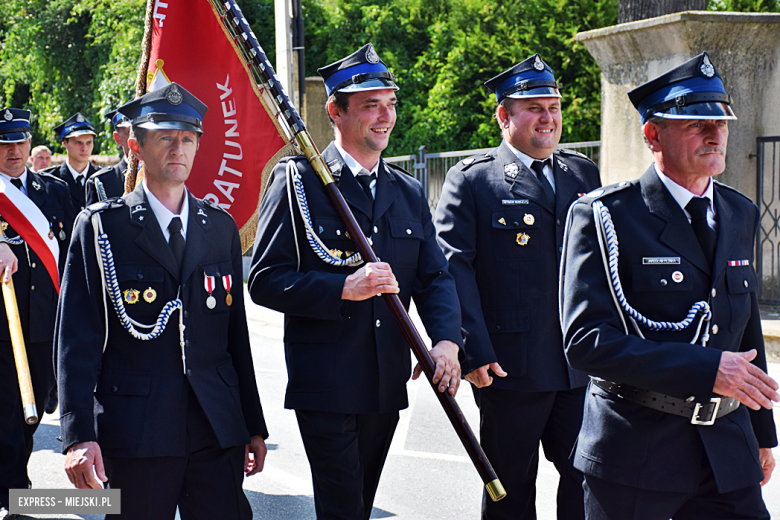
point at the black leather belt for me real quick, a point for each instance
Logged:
(699, 414)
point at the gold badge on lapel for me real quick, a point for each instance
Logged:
(529, 219)
(523, 238)
(150, 295)
(131, 295)
(4, 225)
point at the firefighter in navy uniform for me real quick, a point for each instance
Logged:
(109, 182)
(347, 359)
(36, 297)
(678, 421)
(77, 136)
(500, 223)
(169, 413)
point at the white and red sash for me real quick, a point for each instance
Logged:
(27, 220)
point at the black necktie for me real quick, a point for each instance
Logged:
(176, 241)
(364, 178)
(538, 168)
(18, 183)
(697, 208)
(80, 180)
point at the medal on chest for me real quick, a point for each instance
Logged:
(227, 283)
(209, 283)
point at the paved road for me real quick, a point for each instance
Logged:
(427, 475)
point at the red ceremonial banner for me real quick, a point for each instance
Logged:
(241, 141)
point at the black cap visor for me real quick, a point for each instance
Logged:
(15, 136)
(710, 110)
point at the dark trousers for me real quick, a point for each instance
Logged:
(512, 424)
(205, 484)
(609, 501)
(346, 453)
(16, 436)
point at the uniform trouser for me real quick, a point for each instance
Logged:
(610, 501)
(16, 436)
(205, 484)
(346, 453)
(512, 424)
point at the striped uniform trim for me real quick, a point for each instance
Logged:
(737, 263)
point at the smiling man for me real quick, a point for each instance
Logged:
(678, 421)
(77, 136)
(347, 359)
(499, 222)
(157, 384)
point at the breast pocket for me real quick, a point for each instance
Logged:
(407, 235)
(740, 282)
(142, 287)
(514, 232)
(333, 233)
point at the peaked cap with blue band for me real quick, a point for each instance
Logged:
(169, 108)
(360, 71)
(694, 90)
(531, 78)
(14, 125)
(76, 125)
(117, 118)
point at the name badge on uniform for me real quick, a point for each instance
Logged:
(210, 283)
(514, 202)
(660, 260)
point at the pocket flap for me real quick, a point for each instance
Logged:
(124, 383)
(507, 320)
(509, 218)
(404, 228)
(741, 279)
(141, 272)
(218, 269)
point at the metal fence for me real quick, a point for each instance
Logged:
(431, 168)
(768, 197)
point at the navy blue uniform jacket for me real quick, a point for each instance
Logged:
(113, 180)
(629, 443)
(345, 356)
(132, 398)
(77, 192)
(509, 292)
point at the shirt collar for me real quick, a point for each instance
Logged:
(74, 172)
(164, 215)
(352, 164)
(682, 195)
(527, 160)
(23, 177)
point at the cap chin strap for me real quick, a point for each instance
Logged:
(360, 78)
(529, 85)
(688, 99)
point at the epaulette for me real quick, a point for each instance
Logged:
(214, 205)
(47, 171)
(735, 190)
(43, 173)
(293, 157)
(567, 151)
(471, 161)
(103, 170)
(394, 166)
(604, 191)
(103, 205)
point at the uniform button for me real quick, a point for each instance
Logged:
(338, 232)
(114, 388)
(189, 372)
(558, 221)
(32, 287)
(376, 229)
(498, 327)
(714, 329)
(516, 223)
(140, 276)
(746, 283)
(378, 323)
(714, 293)
(218, 273)
(33, 265)
(186, 314)
(409, 232)
(560, 249)
(663, 282)
(187, 343)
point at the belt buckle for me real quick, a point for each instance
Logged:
(709, 422)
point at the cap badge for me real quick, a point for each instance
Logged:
(706, 67)
(371, 55)
(173, 96)
(538, 65)
(79, 118)
(8, 115)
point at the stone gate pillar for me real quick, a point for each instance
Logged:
(745, 48)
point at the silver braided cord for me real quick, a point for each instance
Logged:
(14, 241)
(606, 230)
(314, 241)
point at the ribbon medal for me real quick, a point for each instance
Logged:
(227, 283)
(209, 284)
(51, 233)
(62, 232)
